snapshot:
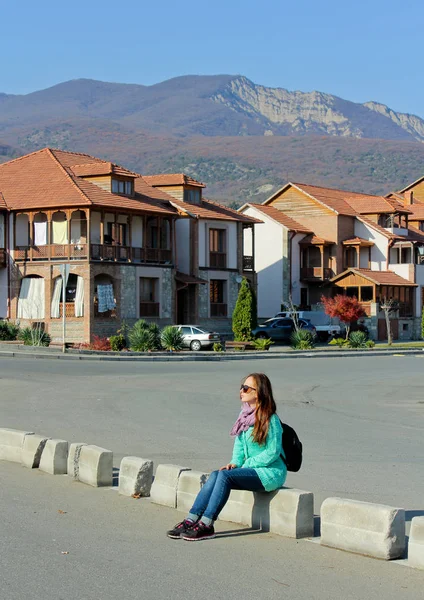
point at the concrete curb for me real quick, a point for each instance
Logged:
(359, 527)
(214, 357)
(364, 528)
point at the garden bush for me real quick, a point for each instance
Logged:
(144, 337)
(117, 342)
(34, 337)
(172, 339)
(218, 347)
(245, 313)
(357, 339)
(100, 343)
(262, 343)
(302, 340)
(8, 331)
(339, 342)
(370, 343)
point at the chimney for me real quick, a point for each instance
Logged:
(409, 198)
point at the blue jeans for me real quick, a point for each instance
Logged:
(214, 494)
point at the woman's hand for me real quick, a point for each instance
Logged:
(228, 467)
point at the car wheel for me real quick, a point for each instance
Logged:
(262, 336)
(195, 345)
(323, 336)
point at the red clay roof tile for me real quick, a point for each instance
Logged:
(280, 217)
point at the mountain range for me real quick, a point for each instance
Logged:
(243, 140)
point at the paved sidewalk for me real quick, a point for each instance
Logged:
(67, 541)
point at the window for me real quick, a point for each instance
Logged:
(367, 293)
(217, 298)
(352, 292)
(186, 330)
(31, 298)
(149, 297)
(217, 249)
(122, 187)
(116, 234)
(192, 196)
(406, 255)
(74, 298)
(351, 257)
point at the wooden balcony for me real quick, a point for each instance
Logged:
(98, 252)
(248, 263)
(149, 309)
(2, 258)
(218, 309)
(51, 252)
(315, 273)
(217, 260)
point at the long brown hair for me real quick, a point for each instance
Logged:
(265, 406)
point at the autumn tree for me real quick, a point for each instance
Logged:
(345, 308)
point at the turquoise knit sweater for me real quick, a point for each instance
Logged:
(266, 458)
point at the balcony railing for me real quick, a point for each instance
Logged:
(315, 273)
(406, 309)
(217, 260)
(103, 252)
(2, 258)
(218, 309)
(149, 309)
(51, 252)
(247, 263)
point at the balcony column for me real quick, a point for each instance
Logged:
(358, 256)
(144, 240)
(253, 248)
(88, 236)
(49, 234)
(321, 250)
(31, 233)
(129, 221)
(68, 233)
(160, 225)
(102, 227)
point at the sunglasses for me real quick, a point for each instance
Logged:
(246, 389)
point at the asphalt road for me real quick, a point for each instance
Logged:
(361, 421)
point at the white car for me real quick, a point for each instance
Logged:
(196, 338)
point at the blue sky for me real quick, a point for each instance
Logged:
(356, 50)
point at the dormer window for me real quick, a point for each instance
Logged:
(192, 196)
(122, 187)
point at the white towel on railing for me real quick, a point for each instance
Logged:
(40, 233)
(105, 298)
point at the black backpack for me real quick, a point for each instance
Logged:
(292, 447)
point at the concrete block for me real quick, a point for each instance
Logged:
(287, 512)
(189, 485)
(165, 484)
(32, 450)
(135, 476)
(95, 466)
(11, 444)
(239, 508)
(291, 513)
(364, 528)
(54, 459)
(416, 543)
(73, 459)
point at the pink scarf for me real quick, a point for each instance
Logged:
(245, 419)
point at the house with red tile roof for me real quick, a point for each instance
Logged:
(132, 249)
(346, 236)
